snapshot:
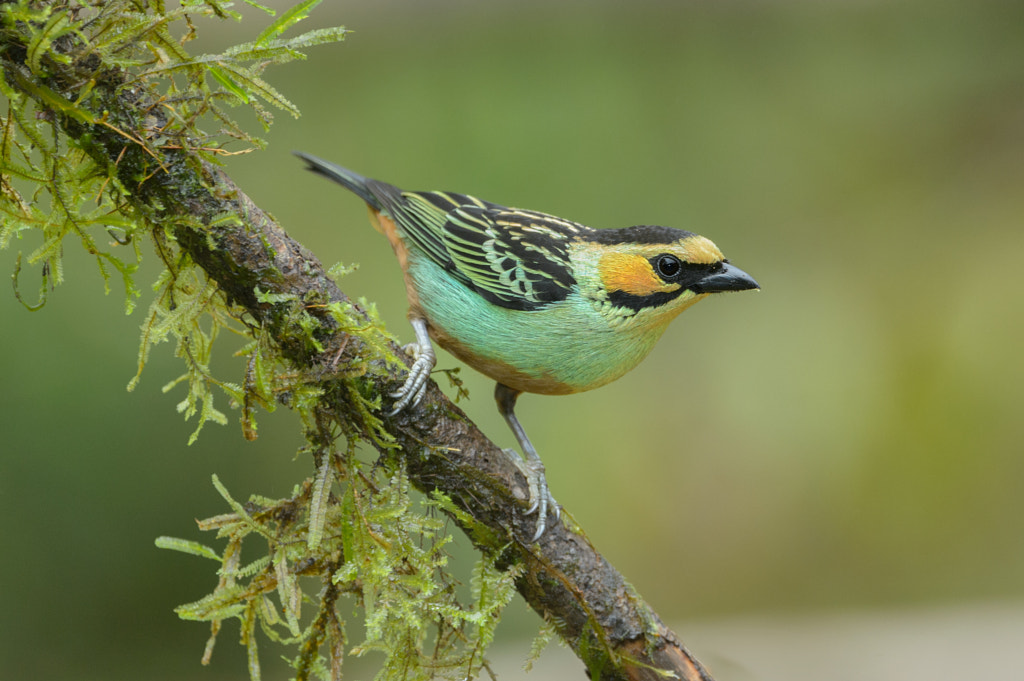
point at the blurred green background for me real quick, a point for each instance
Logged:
(848, 439)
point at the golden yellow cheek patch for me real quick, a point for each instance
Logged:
(632, 274)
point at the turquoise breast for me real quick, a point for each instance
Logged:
(565, 347)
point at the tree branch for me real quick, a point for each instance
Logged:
(565, 580)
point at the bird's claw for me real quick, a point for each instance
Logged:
(541, 501)
(412, 391)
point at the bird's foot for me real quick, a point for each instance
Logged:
(541, 501)
(411, 392)
(422, 352)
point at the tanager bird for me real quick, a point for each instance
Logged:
(536, 302)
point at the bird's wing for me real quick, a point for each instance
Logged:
(517, 259)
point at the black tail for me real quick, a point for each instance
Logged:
(352, 181)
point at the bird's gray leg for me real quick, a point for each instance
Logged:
(530, 464)
(411, 392)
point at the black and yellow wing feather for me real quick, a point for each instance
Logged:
(516, 259)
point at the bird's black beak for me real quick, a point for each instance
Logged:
(728, 278)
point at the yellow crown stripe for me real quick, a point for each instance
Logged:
(700, 250)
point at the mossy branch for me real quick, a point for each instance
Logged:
(104, 103)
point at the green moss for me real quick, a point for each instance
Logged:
(103, 144)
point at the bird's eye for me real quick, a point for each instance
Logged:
(668, 266)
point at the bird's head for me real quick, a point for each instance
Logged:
(649, 274)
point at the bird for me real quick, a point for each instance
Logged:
(538, 303)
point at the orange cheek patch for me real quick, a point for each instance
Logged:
(630, 274)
